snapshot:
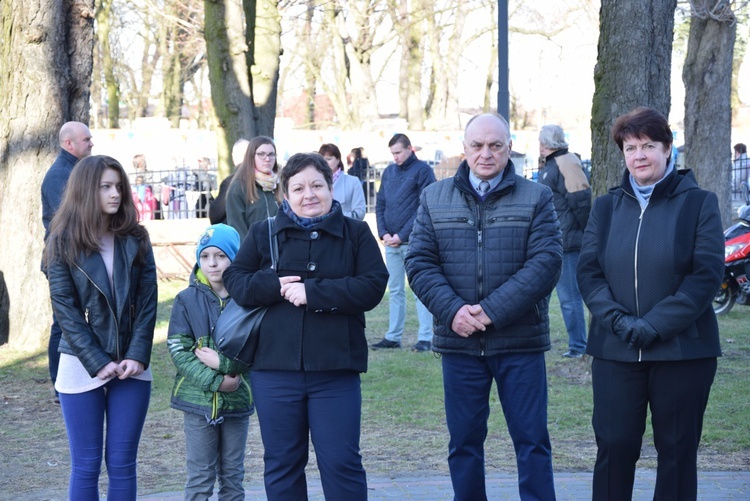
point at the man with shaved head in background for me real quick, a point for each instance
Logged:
(75, 143)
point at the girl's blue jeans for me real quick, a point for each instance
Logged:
(122, 404)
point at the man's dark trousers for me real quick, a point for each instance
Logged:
(522, 387)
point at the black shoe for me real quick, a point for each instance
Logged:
(572, 354)
(422, 346)
(385, 343)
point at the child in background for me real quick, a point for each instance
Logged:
(209, 388)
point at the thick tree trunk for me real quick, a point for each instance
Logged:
(226, 52)
(264, 36)
(632, 69)
(45, 77)
(707, 75)
(243, 46)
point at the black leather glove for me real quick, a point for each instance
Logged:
(644, 335)
(622, 326)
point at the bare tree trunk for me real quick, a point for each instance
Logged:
(632, 69)
(77, 50)
(149, 60)
(310, 73)
(414, 56)
(103, 13)
(740, 48)
(96, 91)
(264, 36)
(334, 83)
(243, 46)
(399, 15)
(453, 57)
(437, 96)
(491, 72)
(447, 20)
(708, 86)
(45, 77)
(170, 99)
(228, 72)
(359, 50)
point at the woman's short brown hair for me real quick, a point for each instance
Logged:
(332, 150)
(642, 122)
(301, 161)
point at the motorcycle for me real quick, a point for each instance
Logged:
(735, 288)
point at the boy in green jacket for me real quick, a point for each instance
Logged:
(210, 388)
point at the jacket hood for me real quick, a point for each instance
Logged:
(199, 281)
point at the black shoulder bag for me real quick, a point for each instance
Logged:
(238, 328)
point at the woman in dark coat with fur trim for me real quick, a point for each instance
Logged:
(651, 261)
(312, 344)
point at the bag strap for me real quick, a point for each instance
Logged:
(273, 242)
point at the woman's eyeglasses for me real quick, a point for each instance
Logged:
(265, 156)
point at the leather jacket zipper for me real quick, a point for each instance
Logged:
(112, 311)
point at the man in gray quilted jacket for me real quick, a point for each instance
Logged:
(484, 257)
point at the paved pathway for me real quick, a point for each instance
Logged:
(712, 486)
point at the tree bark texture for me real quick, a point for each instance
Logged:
(740, 48)
(414, 54)
(103, 28)
(181, 57)
(361, 44)
(46, 57)
(312, 66)
(632, 69)
(335, 84)
(707, 76)
(226, 53)
(243, 46)
(442, 101)
(265, 42)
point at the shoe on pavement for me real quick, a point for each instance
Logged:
(572, 354)
(422, 346)
(385, 343)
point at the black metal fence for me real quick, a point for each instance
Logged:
(740, 179)
(179, 193)
(184, 193)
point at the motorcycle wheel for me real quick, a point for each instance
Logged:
(723, 300)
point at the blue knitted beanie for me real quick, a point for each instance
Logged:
(222, 236)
